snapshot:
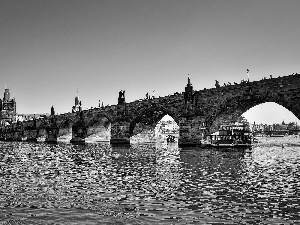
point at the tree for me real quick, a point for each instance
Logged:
(244, 121)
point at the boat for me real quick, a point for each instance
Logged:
(277, 135)
(236, 135)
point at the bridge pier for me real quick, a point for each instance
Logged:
(30, 135)
(120, 141)
(65, 134)
(51, 134)
(79, 131)
(191, 131)
(18, 135)
(120, 133)
(41, 134)
(52, 130)
(9, 135)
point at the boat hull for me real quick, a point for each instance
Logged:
(230, 145)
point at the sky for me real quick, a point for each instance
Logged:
(52, 49)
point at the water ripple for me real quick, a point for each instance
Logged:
(146, 184)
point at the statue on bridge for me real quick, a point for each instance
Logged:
(121, 99)
(52, 111)
(122, 94)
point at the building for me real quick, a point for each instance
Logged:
(276, 128)
(7, 108)
(188, 94)
(77, 107)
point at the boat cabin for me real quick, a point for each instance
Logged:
(231, 136)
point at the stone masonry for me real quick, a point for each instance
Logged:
(198, 113)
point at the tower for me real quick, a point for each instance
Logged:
(188, 94)
(77, 99)
(7, 108)
(77, 106)
(6, 95)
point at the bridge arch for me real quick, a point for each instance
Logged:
(42, 124)
(65, 129)
(165, 128)
(66, 123)
(18, 125)
(98, 127)
(41, 128)
(148, 118)
(95, 119)
(233, 108)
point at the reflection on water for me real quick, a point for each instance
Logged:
(146, 184)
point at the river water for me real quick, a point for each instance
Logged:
(148, 184)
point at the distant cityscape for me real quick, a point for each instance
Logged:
(9, 115)
(275, 129)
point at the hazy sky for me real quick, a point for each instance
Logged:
(52, 48)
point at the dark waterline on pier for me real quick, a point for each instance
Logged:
(146, 184)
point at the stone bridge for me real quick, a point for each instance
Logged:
(198, 113)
